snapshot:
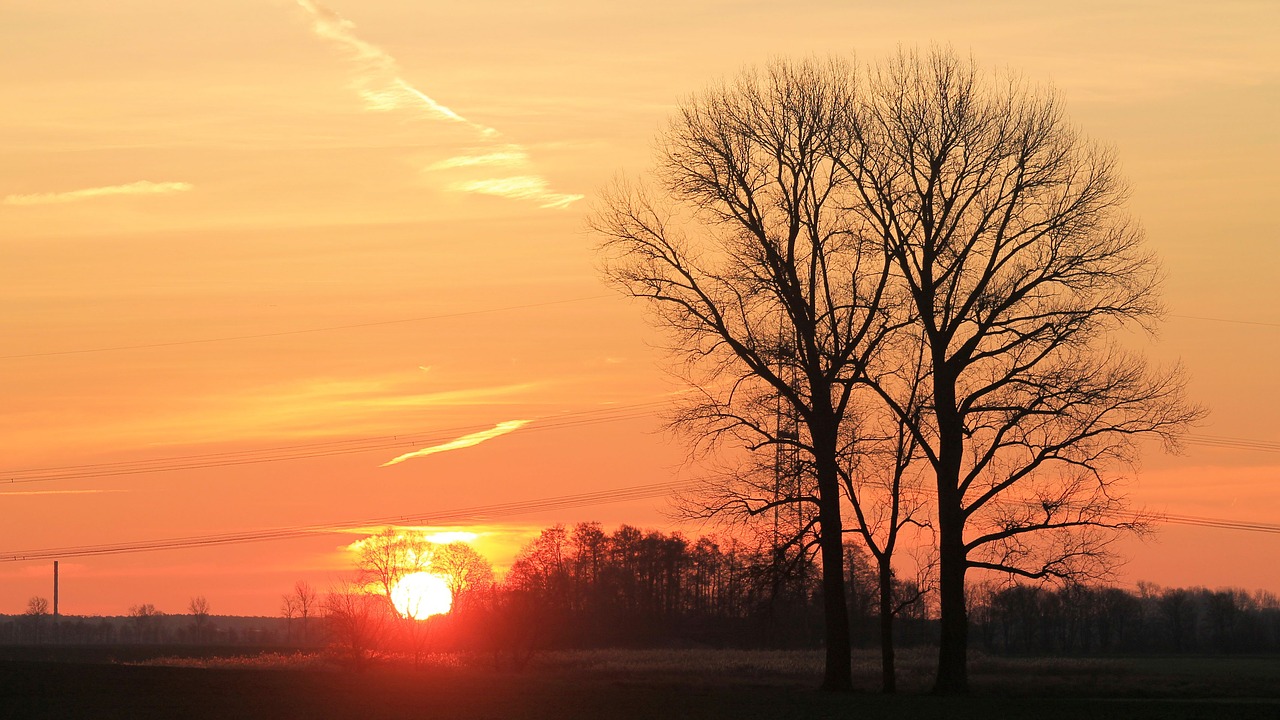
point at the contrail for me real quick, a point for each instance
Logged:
(384, 89)
(465, 441)
(142, 187)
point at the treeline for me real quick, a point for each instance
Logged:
(152, 629)
(585, 587)
(588, 587)
(1040, 620)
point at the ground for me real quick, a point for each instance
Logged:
(635, 684)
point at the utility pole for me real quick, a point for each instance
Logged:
(55, 601)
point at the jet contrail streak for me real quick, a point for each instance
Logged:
(380, 83)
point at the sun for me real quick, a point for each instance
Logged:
(421, 595)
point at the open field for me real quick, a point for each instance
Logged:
(634, 684)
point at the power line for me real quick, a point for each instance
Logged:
(313, 450)
(480, 514)
(1227, 320)
(1233, 443)
(472, 515)
(282, 333)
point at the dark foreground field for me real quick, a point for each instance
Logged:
(640, 684)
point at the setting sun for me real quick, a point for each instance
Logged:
(421, 595)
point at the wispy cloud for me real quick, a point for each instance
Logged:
(506, 157)
(142, 187)
(382, 86)
(518, 187)
(465, 441)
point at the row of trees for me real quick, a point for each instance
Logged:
(142, 624)
(586, 587)
(909, 279)
(1086, 620)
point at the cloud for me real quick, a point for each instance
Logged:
(507, 157)
(142, 187)
(465, 441)
(378, 80)
(380, 83)
(519, 187)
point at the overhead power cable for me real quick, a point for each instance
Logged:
(1227, 320)
(472, 515)
(489, 513)
(1233, 443)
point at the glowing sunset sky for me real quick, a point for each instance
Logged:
(251, 224)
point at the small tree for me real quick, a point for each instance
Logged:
(289, 611)
(37, 606)
(198, 608)
(357, 622)
(389, 555)
(37, 610)
(465, 570)
(299, 604)
(145, 622)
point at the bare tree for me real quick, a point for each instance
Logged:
(1007, 230)
(306, 604)
(288, 611)
(389, 555)
(465, 570)
(37, 606)
(299, 604)
(357, 622)
(37, 610)
(145, 622)
(881, 472)
(771, 298)
(198, 608)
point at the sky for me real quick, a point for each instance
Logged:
(264, 228)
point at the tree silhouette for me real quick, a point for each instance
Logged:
(1006, 229)
(198, 608)
(389, 555)
(464, 570)
(37, 610)
(299, 604)
(771, 298)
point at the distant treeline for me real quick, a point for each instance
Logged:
(153, 628)
(585, 587)
(634, 587)
(1077, 619)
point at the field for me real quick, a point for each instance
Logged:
(633, 684)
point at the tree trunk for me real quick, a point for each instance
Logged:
(839, 668)
(888, 677)
(953, 668)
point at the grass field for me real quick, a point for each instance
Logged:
(635, 684)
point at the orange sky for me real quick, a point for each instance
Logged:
(193, 171)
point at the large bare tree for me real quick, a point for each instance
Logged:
(1007, 230)
(772, 301)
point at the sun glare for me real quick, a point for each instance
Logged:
(421, 595)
